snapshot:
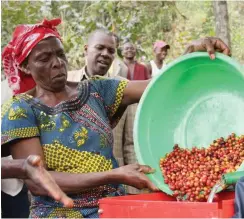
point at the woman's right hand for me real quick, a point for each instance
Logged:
(134, 175)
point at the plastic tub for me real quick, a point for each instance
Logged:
(160, 205)
(194, 101)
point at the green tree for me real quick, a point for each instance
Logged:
(140, 22)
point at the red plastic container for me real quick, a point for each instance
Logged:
(160, 205)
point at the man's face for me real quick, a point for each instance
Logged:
(129, 51)
(161, 53)
(100, 53)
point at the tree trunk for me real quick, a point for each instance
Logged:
(222, 21)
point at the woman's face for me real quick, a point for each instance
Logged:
(47, 64)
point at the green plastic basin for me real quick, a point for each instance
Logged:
(193, 102)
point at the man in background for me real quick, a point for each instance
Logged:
(117, 68)
(160, 51)
(13, 191)
(136, 70)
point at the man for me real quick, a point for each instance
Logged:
(117, 68)
(160, 51)
(239, 199)
(136, 71)
(13, 191)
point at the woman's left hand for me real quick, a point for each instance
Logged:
(210, 45)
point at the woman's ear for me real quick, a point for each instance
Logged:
(26, 71)
(25, 67)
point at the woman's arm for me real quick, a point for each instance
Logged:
(68, 182)
(134, 91)
(72, 183)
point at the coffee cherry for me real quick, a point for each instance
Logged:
(194, 172)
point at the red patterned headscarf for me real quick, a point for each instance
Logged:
(25, 38)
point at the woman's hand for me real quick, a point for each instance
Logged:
(210, 45)
(134, 175)
(43, 181)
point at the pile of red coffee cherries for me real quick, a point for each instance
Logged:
(193, 173)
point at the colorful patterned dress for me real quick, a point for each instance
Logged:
(76, 137)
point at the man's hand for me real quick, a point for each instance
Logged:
(40, 177)
(210, 45)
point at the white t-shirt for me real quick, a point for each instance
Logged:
(155, 69)
(6, 92)
(9, 186)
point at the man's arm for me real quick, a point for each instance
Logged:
(33, 169)
(13, 169)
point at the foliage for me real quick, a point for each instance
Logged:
(236, 12)
(140, 22)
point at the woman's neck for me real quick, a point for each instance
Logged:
(54, 97)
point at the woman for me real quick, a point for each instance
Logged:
(66, 124)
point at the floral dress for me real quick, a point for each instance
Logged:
(76, 137)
